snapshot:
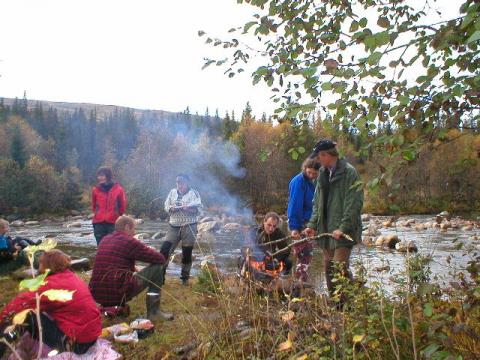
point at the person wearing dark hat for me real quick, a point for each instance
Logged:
(183, 205)
(337, 207)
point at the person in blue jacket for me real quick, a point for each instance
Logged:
(301, 190)
(12, 256)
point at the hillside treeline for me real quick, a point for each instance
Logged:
(48, 160)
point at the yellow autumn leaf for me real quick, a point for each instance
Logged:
(295, 300)
(303, 357)
(46, 245)
(287, 316)
(334, 336)
(20, 317)
(58, 295)
(286, 345)
(358, 338)
(35, 283)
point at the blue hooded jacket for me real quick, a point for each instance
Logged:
(300, 201)
(4, 243)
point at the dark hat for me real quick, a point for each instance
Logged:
(183, 177)
(322, 145)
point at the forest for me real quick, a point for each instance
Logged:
(49, 157)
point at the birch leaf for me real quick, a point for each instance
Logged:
(358, 338)
(20, 317)
(47, 244)
(33, 284)
(287, 316)
(58, 295)
(286, 345)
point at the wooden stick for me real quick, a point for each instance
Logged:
(316, 237)
(277, 241)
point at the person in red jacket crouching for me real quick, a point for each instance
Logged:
(108, 203)
(115, 279)
(72, 325)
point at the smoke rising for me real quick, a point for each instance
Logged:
(188, 144)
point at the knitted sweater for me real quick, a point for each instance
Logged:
(181, 217)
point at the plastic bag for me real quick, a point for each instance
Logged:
(127, 338)
(141, 324)
(115, 330)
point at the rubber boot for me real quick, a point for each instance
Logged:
(186, 264)
(153, 308)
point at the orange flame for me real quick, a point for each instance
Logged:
(260, 267)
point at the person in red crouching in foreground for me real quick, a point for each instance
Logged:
(108, 203)
(115, 280)
(72, 325)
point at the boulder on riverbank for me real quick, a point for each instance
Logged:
(232, 226)
(387, 240)
(158, 235)
(372, 230)
(368, 241)
(142, 236)
(208, 226)
(366, 217)
(75, 224)
(80, 264)
(406, 247)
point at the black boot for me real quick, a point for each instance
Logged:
(186, 264)
(153, 308)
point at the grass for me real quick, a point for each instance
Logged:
(222, 318)
(194, 314)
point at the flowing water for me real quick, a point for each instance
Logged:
(224, 247)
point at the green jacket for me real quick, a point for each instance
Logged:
(344, 206)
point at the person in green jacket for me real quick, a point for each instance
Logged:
(337, 206)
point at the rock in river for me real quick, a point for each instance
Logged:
(208, 226)
(232, 226)
(387, 240)
(406, 247)
(76, 224)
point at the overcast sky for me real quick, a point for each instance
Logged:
(143, 53)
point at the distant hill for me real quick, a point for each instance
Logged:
(102, 110)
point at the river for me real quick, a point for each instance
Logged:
(441, 245)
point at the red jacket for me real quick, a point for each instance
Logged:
(79, 319)
(112, 281)
(108, 206)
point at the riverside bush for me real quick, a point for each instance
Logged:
(419, 320)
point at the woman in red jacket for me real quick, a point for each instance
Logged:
(72, 325)
(108, 203)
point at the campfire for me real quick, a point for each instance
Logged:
(257, 266)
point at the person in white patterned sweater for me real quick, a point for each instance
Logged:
(183, 204)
